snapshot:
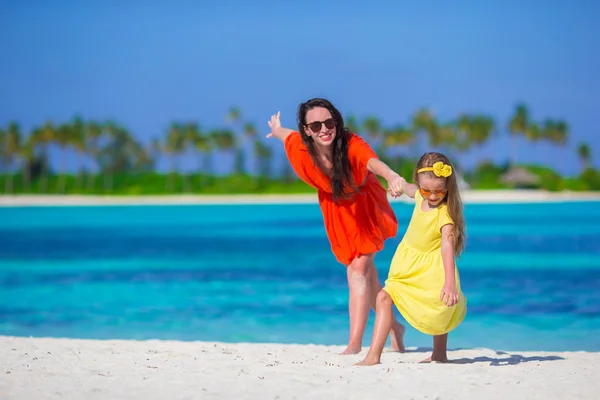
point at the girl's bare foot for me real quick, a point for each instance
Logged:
(439, 355)
(436, 359)
(398, 338)
(350, 350)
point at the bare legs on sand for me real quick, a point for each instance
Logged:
(364, 286)
(384, 318)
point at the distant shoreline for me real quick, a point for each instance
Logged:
(469, 197)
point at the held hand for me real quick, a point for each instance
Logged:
(395, 185)
(449, 295)
(275, 125)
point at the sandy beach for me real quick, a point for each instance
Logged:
(39, 368)
(469, 196)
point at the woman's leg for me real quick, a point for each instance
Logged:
(359, 283)
(397, 330)
(383, 323)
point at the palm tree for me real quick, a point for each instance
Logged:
(534, 133)
(223, 139)
(93, 133)
(518, 125)
(250, 134)
(557, 132)
(584, 152)
(11, 148)
(4, 164)
(62, 138)
(154, 150)
(40, 139)
(444, 136)
(423, 124)
(202, 143)
(190, 132)
(122, 154)
(351, 122)
(372, 127)
(481, 129)
(399, 136)
(463, 128)
(263, 155)
(250, 129)
(77, 140)
(174, 147)
(234, 116)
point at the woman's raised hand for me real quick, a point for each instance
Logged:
(277, 130)
(275, 125)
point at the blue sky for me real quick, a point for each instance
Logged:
(146, 63)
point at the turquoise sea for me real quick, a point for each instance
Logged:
(265, 273)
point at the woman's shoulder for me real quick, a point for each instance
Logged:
(354, 138)
(294, 142)
(359, 148)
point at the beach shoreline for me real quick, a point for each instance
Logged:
(469, 197)
(51, 368)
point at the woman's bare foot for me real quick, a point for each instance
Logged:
(398, 338)
(367, 362)
(350, 350)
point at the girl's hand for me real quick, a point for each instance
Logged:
(449, 295)
(395, 185)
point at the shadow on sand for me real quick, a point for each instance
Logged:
(508, 359)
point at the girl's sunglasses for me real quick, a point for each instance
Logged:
(316, 125)
(437, 193)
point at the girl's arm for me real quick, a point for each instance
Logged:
(410, 189)
(277, 130)
(449, 294)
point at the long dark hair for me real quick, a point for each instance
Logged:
(453, 199)
(341, 173)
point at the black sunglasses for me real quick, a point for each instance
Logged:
(316, 125)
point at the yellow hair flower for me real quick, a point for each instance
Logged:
(439, 169)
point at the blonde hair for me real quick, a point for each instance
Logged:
(452, 199)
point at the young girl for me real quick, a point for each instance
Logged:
(356, 212)
(423, 281)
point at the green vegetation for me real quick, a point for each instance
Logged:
(125, 166)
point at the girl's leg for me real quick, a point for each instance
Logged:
(360, 294)
(383, 323)
(440, 344)
(398, 329)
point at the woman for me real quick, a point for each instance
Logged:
(357, 214)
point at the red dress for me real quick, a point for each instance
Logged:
(354, 227)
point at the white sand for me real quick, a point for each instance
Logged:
(469, 196)
(82, 369)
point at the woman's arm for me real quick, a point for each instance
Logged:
(380, 168)
(396, 184)
(277, 130)
(394, 180)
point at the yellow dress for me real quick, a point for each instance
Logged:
(416, 276)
